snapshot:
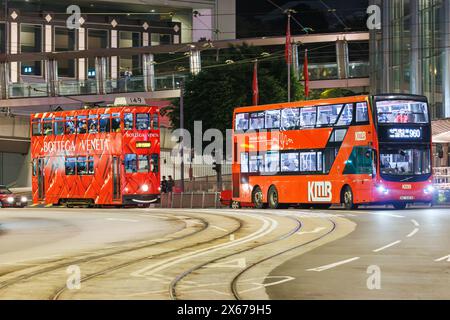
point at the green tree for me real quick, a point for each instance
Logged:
(212, 95)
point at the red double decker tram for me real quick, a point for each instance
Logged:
(102, 156)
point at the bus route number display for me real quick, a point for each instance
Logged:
(405, 133)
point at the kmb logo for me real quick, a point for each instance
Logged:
(319, 191)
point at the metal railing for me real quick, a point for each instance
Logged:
(190, 200)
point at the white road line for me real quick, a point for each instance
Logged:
(122, 220)
(316, 230)
(443, 258)
(412, 233)
(219, 228)
(386, 214)
(415, 222)
(387, 246)
(332, 265)
(268, 226)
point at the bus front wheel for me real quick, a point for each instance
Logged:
(347, 199)
(257, 198)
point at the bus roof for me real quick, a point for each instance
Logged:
(305, 103)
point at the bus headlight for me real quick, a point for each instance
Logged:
(429, 189)
(382, 189)
(24, 199)
(144, 188)
(10, 199)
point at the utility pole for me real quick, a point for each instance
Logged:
(288, 49)
(182, 135)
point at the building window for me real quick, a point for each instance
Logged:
(31, 41)
(97, 39)
(65, 40)
(127, 64)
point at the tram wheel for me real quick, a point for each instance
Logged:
(235, 204)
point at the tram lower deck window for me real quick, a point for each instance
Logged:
(130, 163)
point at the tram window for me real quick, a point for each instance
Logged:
(346, 116)
(105, 123)
(82, 126)
(90, 165)
(58, 126)
(128, 121)
(290, 162)
(70, 125)
(130, 163)
(70, 166)
(48, 127)
(34, 167)
(154, 163)
(81, 166)
(143, 165)
(142, 121)
(308, 117)
(155, 124)
(93, 124)
(115, 122)
(36, 127)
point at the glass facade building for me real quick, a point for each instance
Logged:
(410, 53)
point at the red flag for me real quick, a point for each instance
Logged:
(288, 49)
(306, 74)
(255, 84)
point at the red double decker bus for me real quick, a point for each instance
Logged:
(351, 151)
(102, 156)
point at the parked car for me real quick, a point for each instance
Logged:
(9, 199)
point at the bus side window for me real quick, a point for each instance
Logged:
(115, 122)
(128, 121)
(155, 121)
(105, 123)
(70, 166)
(130, 163)
(362, 114)
(154, 163)
(36, 127)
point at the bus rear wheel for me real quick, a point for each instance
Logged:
(347, 199)
(257, 198)
(399, 205)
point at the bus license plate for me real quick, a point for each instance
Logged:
(406, 198)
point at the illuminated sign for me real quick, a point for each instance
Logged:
(143, 144)
(405, 133)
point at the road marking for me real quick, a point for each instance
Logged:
(443, 258)
(387, 246)
(316, 230)
(267, 227)
(332, 265)
(386, 214)
(415, 222)
(219, 228)
(412, 233)
(122, 220)
(239, 263)
(232, 238)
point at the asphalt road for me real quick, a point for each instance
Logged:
(224, 254)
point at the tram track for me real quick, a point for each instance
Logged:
(205, 225)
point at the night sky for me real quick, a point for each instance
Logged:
(262, 18)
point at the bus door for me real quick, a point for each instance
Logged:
(361, 167)
(116, 177)
(41, 178)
